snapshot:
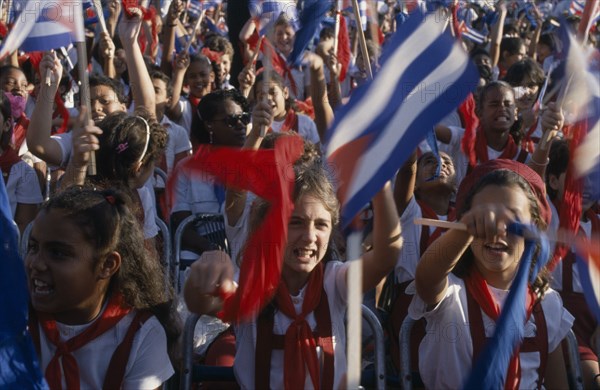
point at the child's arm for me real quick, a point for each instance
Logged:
(404, 187)
(552, 122)
(168, 38)
(443, 134)
(39, 141)
(139, 78)
(246, 79)
(387, 241)
(25, 213)
(114, 8)
(107, 52)
(497, 32)
(84, 141)
(556, 374)
(210, 274)
(182, 62)
(483, 221)
(318, 93)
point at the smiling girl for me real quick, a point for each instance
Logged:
(101, 314)
(463, 278)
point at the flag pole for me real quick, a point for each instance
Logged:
(194, 32)
(336, 27)
(353, 253)
(361, 39)
(82, 71)
(586, 20)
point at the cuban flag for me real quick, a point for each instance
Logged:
(45, 25)
(363, 10)
(588, 265)
(471, 34)
(19, 367)
(267, 12)
(194, 8)
(576, 7)
(425, 74)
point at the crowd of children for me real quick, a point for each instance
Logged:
(505, 155)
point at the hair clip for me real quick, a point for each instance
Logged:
(122, 147)
(147, 139)
(110, 199)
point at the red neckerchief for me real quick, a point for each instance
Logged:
(194, 101)
(428, 212)
(20, 132)
(300, 349)
(113, 313)
(9, 158)
(481, 152)
(290, 122)
(279, 63)
(527, 142)
(479, 290)
(306, 107)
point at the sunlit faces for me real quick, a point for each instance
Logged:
(309, 231)
(199, 77)
(225, 131)
(427, 167)
(498, 110)
(104, 101)
(15, 82)
(276, 96)
(63, 274)
(224, 67)
(498, 258)
(284, 38)
(528, 91)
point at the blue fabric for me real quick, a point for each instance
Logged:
(19, 368)
(310, 19)
(489, 372)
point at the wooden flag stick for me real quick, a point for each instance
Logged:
(193, 37)
(361, 39)
(336, 29)
(266, 83)
(100, 13)
(562, 236)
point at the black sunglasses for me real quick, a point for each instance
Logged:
(232, 120)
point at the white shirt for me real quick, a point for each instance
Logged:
(146, 193)
(178, 142)
(23, 186)
(445, 354)
(306, 128)
(334, 282)
(406, 266)
(148, 365)
(187, 110)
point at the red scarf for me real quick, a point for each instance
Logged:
(7, 160)
(481, 152)
(528, 142)
(114, 312)
(290, 122)
(194, 101)
(479, 290)
(19, 132)
(300, 349)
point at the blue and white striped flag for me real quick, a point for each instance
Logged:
(45, 25)
(267, 12)
(425, 74)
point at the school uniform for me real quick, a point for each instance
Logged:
(334, 285)
(187, 110)
(148, 365)
(306, 128)
(446, 352)
(22, 186)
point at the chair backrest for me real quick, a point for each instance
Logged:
(575, 374)
(167, 253)
(405, 369)
(377, 331)
(213, 228)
